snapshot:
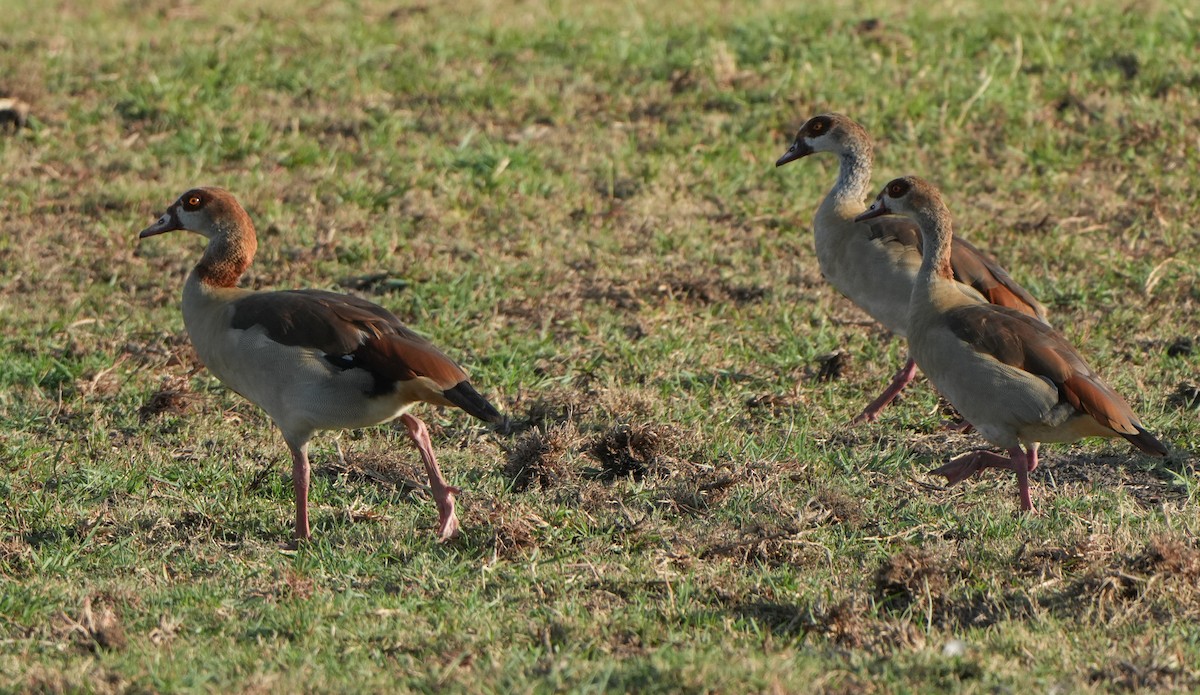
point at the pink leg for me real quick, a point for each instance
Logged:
(899, 381)
(967, 465)
(300, 473)
(443, 494)
(1033, 458)
(1021, 464)
(962, 467)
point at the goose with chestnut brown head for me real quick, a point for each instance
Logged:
(874, 263)
(1017, 380)
(312, 359)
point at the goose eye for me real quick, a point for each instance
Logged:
(192, 202)
(896, 190)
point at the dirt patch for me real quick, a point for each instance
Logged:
(845, 623)
(978, 608)
(1053, 561)
(174, 397)
(544, 410)
(770, 545)
(774, 403)
(542, 457)
(699, 496)
(514, 530)
(840, 506)
(186, 527)
(705, 291)
(1170, 557)
(1153, 672)
(1161, 579)
(611, 293)
(832, 366)
(849, 623)
(97, 626)
(912, 576)
(283, 586)
(384, 468)
(96, 680)
(635, 451)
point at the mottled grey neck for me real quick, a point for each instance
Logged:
(854, 176)
(937, 231)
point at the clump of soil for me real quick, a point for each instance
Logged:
(514, 530)
(842, 508)
(634, 451)
(97, 627)
(914, 575)
(173, 398)
(704, 291)
(542, 457)
(1168, 556)
(833, 366)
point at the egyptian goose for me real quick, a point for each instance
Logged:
(1017, 380)
(874, 264)
(313, 360)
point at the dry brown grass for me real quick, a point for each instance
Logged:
(581, 208)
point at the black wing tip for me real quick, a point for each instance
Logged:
(1147, 442)
(466, 397)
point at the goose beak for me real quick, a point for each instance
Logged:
(167, 223)
(878, 209)
(798, 149)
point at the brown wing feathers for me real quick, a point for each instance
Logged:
(970, 265)
(330, 322)
(1020, 341)
(354, 332)
(977, 269)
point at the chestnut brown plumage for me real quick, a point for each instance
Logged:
(1018, 381)
(311, 359)
(874, 263)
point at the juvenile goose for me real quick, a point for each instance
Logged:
(874, 264)
(313, 360)
(1015, 379)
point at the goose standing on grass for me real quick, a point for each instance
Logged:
(313, 360)
(874, 264)
(1018, 381)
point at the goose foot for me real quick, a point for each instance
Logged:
(901, 379)
(962, 467)
(1019, 461)
(442, 493)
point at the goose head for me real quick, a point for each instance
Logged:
(208, 211)
(909, 196)
(829, 132)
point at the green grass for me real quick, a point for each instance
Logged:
(580, 205)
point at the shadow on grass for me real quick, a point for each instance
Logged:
(1151, 482)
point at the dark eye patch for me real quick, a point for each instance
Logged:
(897, 188)
(193, 200)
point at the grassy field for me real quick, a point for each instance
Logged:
(580, 204)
